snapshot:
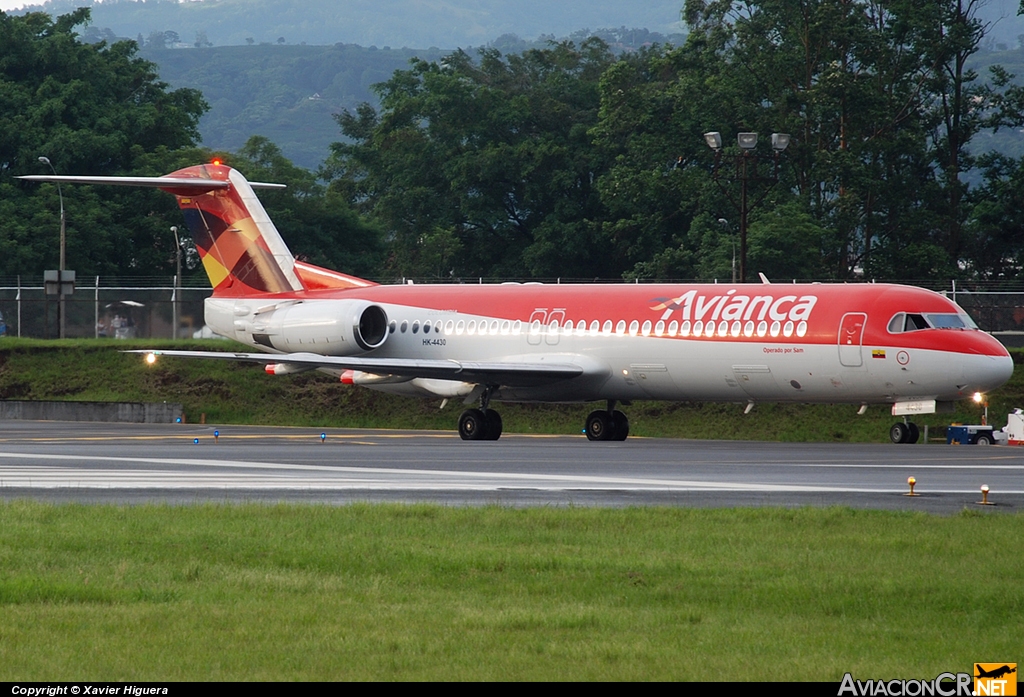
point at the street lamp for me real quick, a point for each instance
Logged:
(63, 248)
(725, 226)
(177, 283)
(745, 164)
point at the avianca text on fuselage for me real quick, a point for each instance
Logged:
(737, 314)
(732, 306)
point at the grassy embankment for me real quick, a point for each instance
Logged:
(422, 592)
(242, 393)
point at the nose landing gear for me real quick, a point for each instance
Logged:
(906, 432)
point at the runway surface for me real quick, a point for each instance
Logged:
(185, 463)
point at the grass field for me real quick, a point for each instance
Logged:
(383, 592)
(242, 393)
(376, 592)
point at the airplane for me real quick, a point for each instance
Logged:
(860, 344)
(994, 673)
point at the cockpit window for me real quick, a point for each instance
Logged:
(946, 321)
(910, 322)
(915, 322)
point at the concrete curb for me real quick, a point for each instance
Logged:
(123, 412)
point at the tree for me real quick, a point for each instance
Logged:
(317, 224)
(878, 100)
(91, 109)
(492, 157)
(156, 39)
(994, 229)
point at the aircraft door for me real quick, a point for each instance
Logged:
(536, 326)
(851, 337)
(554, 320)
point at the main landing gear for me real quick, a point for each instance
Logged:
(478, 424)
(610, 424)
(906, 432)
(482, 423)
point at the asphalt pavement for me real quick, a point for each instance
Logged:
(132, 463)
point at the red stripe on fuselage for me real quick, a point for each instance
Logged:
(821, 306)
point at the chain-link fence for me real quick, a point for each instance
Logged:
(116, 312)
(149, 311)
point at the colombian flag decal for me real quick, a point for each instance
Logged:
(878, 353)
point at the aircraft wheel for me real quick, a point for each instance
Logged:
(915, 433)
(599, 426)
(899, 433)
(493, 423)
(620, 426)
(472, 425)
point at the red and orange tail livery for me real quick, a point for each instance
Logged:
(242, 252)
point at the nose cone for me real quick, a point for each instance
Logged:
(990, 368)
(986, 373)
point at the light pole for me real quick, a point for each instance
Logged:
(725, 225)
(745, 164)
(177, 283)
(63, 248)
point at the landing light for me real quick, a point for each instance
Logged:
(978, 397)
(150, 358)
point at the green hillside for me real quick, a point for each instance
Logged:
(396, 23)
(288, 94)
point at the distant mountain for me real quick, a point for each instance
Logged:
(286, 93)
(446, 24)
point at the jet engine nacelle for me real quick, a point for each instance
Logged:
(329, 327)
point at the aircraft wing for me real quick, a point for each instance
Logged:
(511, 373)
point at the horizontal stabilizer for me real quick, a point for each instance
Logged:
(516, 374)
(153, 182)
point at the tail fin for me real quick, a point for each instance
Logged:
(242, 251)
